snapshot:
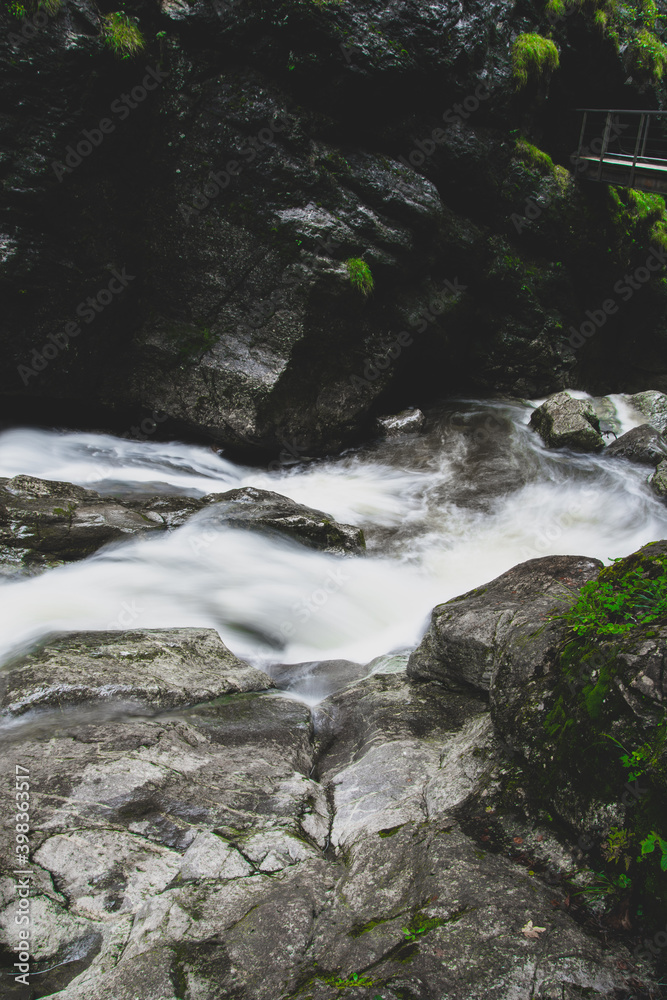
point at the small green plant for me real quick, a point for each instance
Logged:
(533, 55)
(420, 926)
(360, 275)
(122, 34)
(17, 9)
(616, 846)
(649, 844)
(616, 603)
(605, 886)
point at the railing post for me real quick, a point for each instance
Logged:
(605, 143)
(642, 120)
(581, 138)
(648, 122)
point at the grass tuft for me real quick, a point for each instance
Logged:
(533, 55)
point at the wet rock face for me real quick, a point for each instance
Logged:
(653, 405)
(233, 848)
(643, 445)
(506, 622)
(44, 523)
(161, 668)
(252, 508)
(564, 422)
(212, 225)
(658, 480)
(583, 709)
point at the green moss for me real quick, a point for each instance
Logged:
(648, 55)
(390, 830)
(122, 34)
(533, 55)
(360, 275)
(534, 157)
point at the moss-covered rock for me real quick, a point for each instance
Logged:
(565, 422)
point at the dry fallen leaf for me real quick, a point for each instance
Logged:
(531, 931)
(518, 840)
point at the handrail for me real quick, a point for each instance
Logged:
(623, 111)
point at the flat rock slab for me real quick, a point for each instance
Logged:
(160, 668)
(250, 507)
(643, 445)
(565, 422)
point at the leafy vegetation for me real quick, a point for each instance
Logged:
(360, 275)
(122, 34)
(649, 55)
(533, 55)
(617, 602)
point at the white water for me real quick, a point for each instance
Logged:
(444, 511)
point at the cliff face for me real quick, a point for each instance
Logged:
(176, 225)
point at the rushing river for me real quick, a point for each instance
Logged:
(443, 511)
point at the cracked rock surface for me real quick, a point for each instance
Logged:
(242, 848)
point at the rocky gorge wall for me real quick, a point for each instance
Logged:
(176, 225)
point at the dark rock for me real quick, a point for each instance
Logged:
(564, 422)
(256, 509)
(158, 668)
(506, 622)
(44, 523)
(643, 445)
(658, 480)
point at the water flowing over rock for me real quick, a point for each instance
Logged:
(653, 405)
(45, 523)
(565, 422)
(252, 508)
(644, 445)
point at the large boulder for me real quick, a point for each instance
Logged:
(175, 857)
(653, 405)
(581, 702)
(249, 507)
(162, 668)
(507, 621)
(643, 445)
(565, 422)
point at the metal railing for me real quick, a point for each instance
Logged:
(620, 137)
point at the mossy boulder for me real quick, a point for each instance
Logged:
(565, 422)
